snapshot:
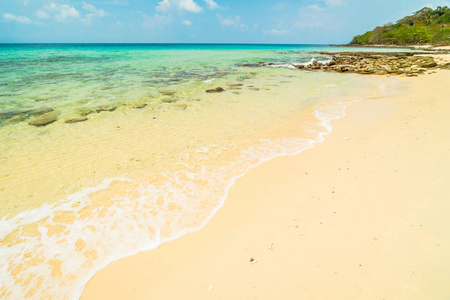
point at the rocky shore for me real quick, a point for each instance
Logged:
(402, 63)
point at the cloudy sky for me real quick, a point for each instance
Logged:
(198, 21)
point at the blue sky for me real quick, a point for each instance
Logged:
(198, 21)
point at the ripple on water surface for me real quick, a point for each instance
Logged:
(155, 167)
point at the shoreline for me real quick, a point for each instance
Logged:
(424, 47)
(214, 262)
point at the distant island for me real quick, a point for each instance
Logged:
(426, 26)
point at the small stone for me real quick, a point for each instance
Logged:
(137, 105)
(169, 100)
(254, 89)
(106, 107)
(252, 261)
(216, 90)
(75, 120)
(430, 64)
(168, 92)
(83, 111)
(43, 120)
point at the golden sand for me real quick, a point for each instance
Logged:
(363, 215)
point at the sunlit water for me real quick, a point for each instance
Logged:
(156, 155)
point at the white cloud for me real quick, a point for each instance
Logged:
(62, 12)
(316, 7)
(187, 23)
(157, 21)
(276, 32)
(232, 22)
(19, 19)
(163, 6)
(94, 12)
(211, 4)
(42, 14)
(92, 9)
(188, 5)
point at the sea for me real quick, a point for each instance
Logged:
(136, 152)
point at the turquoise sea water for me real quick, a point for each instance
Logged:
(158, 161)
(67, 76)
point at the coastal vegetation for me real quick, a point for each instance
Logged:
(423, 27)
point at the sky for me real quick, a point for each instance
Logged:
(198, 21)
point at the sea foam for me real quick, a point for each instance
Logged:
(49, 256)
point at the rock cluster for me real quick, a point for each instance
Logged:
(44, 120)
(378, 63)
(21, 115)
(375, 63)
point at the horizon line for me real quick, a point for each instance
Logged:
(171, 43)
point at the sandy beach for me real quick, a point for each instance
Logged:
(363, 215)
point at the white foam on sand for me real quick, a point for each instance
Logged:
(143, 219)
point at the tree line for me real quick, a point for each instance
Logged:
(423, 27)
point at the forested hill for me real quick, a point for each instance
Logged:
(424, 26)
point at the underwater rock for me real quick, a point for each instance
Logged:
(23, 114)
(216, 90)
(168, 92)
(44, 120)
(169, 100)
(83, 111)
(137, 105)
(106, 107)
(75, 120)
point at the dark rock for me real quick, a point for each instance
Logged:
(106, 107)
(83, 111)
(216, 90)
(44, 120)
(445, 66)
(24, 114)
(430, 64)
(75, 120)
(137, 105)
(169, 100)
(40, 111)
(168, 92)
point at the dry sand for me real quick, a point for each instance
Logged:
(363, 215)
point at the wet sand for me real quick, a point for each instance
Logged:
(363, 215)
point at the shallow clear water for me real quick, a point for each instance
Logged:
(78, 196)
